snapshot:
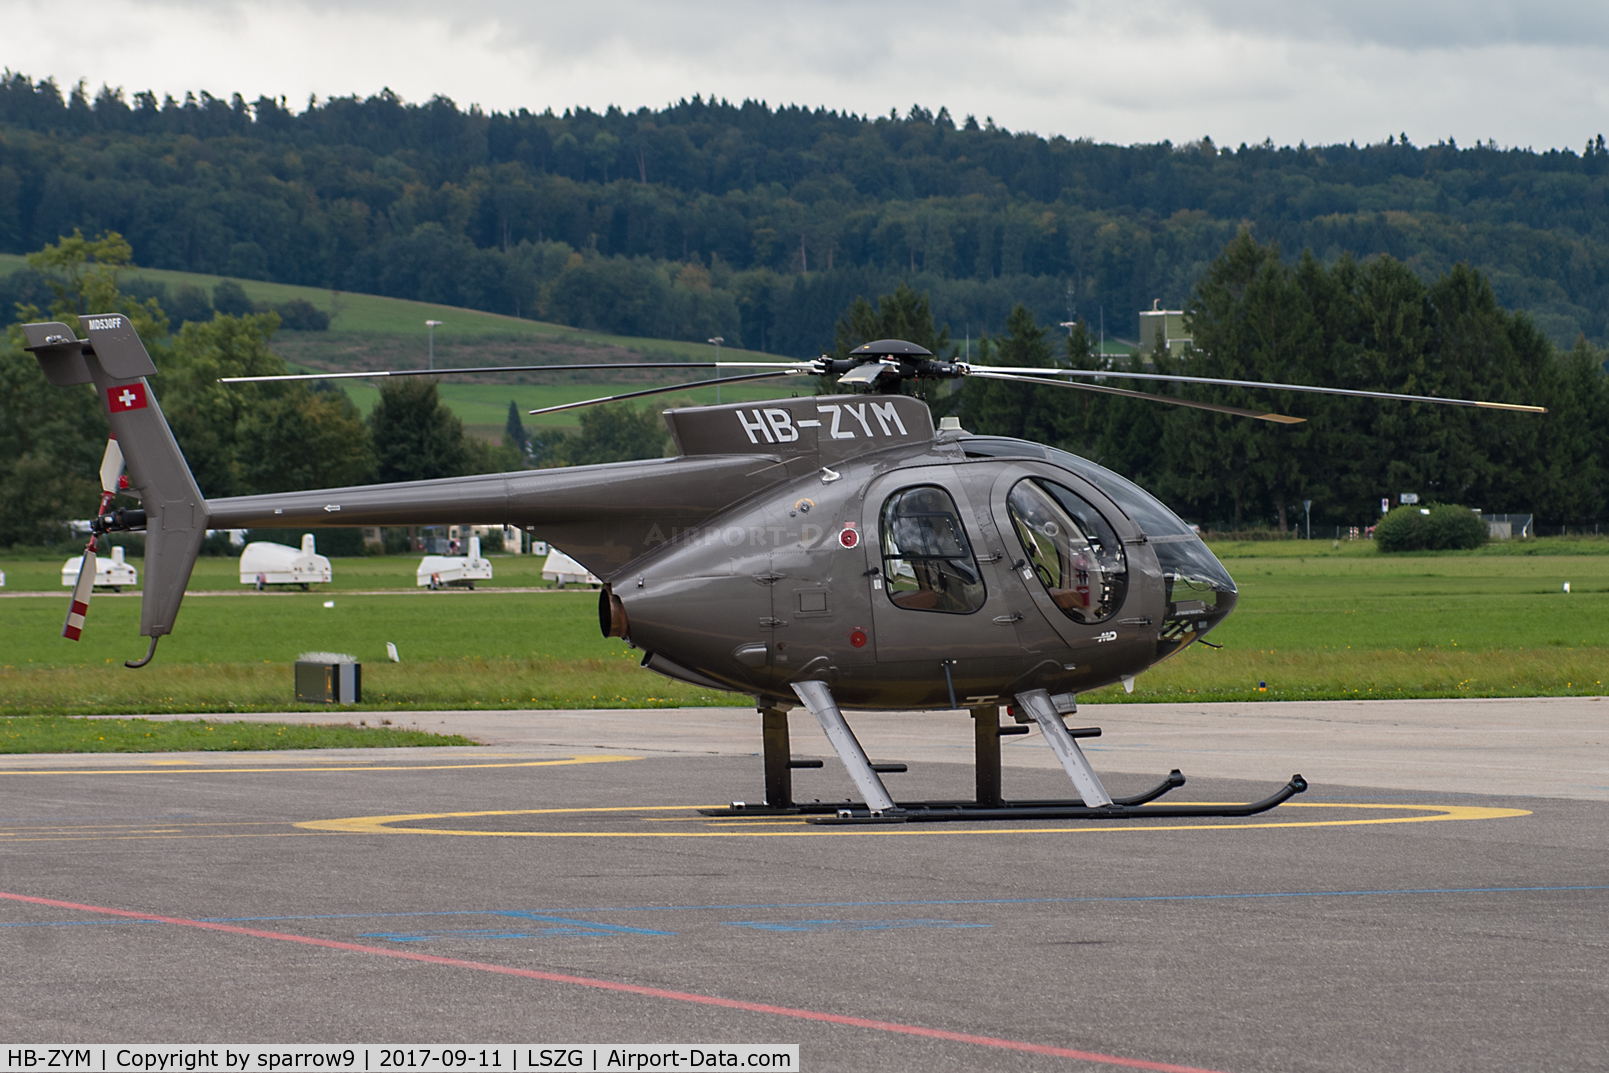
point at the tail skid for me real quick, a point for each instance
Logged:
(116, 362)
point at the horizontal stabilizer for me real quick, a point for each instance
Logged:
(60, 353)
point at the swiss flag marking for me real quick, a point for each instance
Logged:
(128, 397)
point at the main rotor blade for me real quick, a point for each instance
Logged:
(666, 390)
(1262, 384)
(1102, 389)
(522, 369)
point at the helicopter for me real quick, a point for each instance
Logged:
(824, 551)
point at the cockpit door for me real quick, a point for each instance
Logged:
(930, 593)
(1081, 560)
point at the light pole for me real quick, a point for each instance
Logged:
(431, 326)
(718, 340)
(1307, 508)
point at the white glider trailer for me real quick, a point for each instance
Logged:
(458, 571)
(566, 571)
(110, 573)
(264, 563)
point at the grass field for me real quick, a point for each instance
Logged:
(1326, 623)
(55, 734)
(234, 653)
(1351, 622)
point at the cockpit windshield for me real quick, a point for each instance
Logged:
(1154, 519)
(1200, 592)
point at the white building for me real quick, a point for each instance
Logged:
(1166, 325)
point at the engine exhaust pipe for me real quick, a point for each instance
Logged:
(611, 614)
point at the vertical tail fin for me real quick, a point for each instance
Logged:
(116, 362)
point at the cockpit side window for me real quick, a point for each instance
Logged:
(927, 563)
(1071, 549)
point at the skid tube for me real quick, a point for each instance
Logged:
(1174, 780)
(944, 812)
(878, 806)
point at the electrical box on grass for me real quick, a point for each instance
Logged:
(328, 678)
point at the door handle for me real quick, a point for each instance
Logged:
(1007, 620)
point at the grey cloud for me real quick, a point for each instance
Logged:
(1412, 24)
(830, 29)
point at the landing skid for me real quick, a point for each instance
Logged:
(941, 812)
(1093, 803)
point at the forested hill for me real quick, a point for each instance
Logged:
(760, 224)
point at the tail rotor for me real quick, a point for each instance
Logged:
(112, 481)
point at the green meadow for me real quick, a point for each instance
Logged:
(1313, 622)
(1320, 623)
(371, 314)
(368, 331)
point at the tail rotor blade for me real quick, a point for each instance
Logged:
(111, 466)
(79, 608)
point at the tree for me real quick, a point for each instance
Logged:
(51, 441)
(83, 274)
(1249, 320)
(546, 446)
(415, 437)
(236, 437)
(206, 416)
(1002, 408)
(901, 314)
(230, 297)
(514, 432)
(300, 315)
(303, 439)
(1120, 433)
(616, 433)
(51, 438)
(189, 302)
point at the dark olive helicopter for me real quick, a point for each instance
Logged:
(825, 550)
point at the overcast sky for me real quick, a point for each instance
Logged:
(1530, 74)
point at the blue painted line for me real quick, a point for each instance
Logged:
(581, 923)
(950, 901)
(488, 933)
(841, 905)
(847, 925)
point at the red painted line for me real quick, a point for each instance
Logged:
(634, 989)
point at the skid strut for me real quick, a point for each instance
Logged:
(1094, 801)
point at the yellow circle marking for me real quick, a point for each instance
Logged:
(365, 766)
(724, 826)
